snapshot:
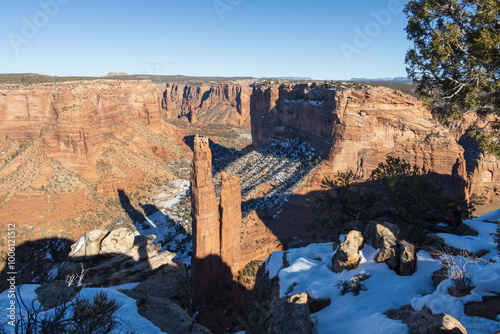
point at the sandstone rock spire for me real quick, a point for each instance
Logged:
(230, 218)
(216, 242)
(205, 261)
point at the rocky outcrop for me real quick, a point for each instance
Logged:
(347, 256)
(216, 243)
(220, 103)
(399, 255)
(114, 257)
(361, 127)
(289, 314)
(230, 218)
(266, 290)
(424, 322)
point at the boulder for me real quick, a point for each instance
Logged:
(424, 322)
(89, 245)
(389, 256)
(317, 304)
(385, 235)
(289, 314)
(119, 241)
(407, 258)
(488, 308)
(115, 257)
(347, 256)
(441, 274)
(168, 316)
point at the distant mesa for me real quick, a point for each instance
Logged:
(288, 78)
(398, 79)
(116, 74)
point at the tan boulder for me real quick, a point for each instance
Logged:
(289, 314)
(119, 241)
(424, 322)
(347, 256)
(407, 258)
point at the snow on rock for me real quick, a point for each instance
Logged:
(486, 227)
(79, 245)
(309, 270)
(127, 317)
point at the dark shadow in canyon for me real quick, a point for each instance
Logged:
(35, 259)
(142, 224)
(294, 223)
(222, 302)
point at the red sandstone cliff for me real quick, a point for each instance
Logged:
(359, 127)
(219, 103)
(66, 145)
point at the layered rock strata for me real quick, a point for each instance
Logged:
(360, 127)
(221, 103)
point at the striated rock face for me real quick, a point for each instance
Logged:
(221, 103)
(483, 169)
(360, 127)
(230, 218)
(72, 117)
(205, 263)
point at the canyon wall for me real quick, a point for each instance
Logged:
(360, 127)
(73, 117)
(67, 148)
(220, 103)
(483, 169)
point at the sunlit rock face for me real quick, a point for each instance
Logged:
(359, 126)
(225, 103)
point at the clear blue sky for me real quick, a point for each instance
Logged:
(322, 39)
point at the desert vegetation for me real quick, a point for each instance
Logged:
(397, 191)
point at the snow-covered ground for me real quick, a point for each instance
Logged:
(127, 317)
(310, 271)
(171, 224)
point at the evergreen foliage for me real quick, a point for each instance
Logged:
(455, 59)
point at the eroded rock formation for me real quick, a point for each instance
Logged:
(360, 127)
(115, 257)
(230, 218)
(216, 242)
(205, 263)
(221, 103)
